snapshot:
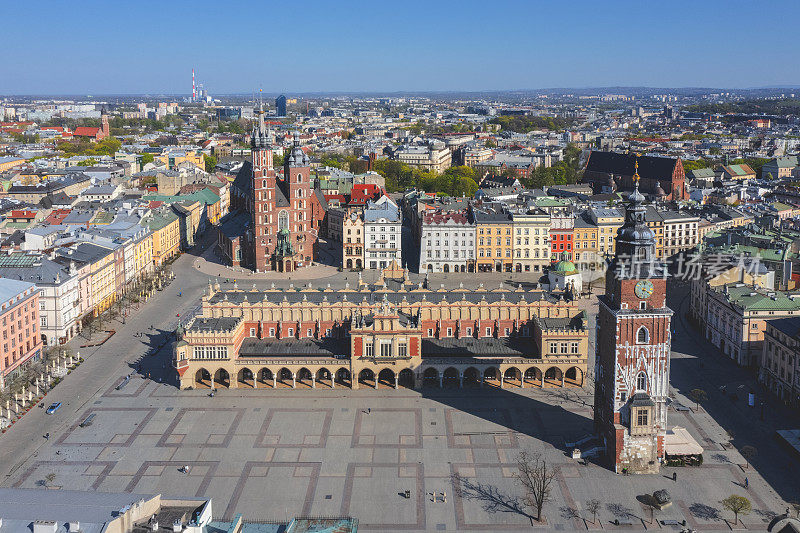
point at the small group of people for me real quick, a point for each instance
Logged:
(435, 497)
(184, 469)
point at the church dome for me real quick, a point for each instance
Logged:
(564, 267)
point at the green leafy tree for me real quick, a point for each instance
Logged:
(210, 162)
(738, 505)
(524, 124)
(698, 395)
(147, 158)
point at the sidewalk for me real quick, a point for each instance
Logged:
(216, 270)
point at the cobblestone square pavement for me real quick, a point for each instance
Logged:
(270, 454)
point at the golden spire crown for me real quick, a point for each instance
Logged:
(636, 170)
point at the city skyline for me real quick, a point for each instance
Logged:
(375, 48)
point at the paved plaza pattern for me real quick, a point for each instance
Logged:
(275, 454)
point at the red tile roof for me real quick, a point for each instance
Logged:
(23, 213)
(57, 216)
(86, 131)
(361, 193)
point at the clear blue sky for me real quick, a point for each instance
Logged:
(92, 47)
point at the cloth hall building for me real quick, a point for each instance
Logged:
(391, 334)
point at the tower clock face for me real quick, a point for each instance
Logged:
(644, 289)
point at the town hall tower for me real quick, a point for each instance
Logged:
(633, 349)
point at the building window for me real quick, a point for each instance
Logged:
(554, 347)
(469, 332)
(573, 347)
(488, 332)
(271, 332)
(449, 332)
(368, 349)
(44, 321)
(402, 349)
(641, 417)
(642, 336)
(252, 332)
(641, 381)
(386, 348)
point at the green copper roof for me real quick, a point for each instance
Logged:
(564, 266)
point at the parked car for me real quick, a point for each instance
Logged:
(53, 408)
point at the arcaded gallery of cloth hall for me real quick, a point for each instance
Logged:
(392, 334)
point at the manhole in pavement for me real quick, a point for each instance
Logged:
(98, 402)
(328, 496)
(432, 409)
(345, 409)
(441, 527)
(169, 408)
(257, 409)
(433, 423)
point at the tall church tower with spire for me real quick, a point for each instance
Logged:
(262, 210)
(633, 348)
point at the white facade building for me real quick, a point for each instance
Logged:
(383, 224)
(447, 243)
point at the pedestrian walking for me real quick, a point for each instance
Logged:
(675, 476)
(746, 483)
(369, 410)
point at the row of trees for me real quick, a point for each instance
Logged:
(524, 123)
(564, 172)
(108, 146)
(455, 181)
(782, 106)
(458, 180)
(756, 163)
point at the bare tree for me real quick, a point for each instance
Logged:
(49, 478)
(536, 478)
(593, 506)
(748, 452)
(737, 505)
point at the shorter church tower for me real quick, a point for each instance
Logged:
(633, 349)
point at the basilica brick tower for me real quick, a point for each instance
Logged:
(264, 222)
(633, 349)
(281, 235)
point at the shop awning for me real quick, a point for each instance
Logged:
(678, 441)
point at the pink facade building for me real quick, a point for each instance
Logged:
(19, 322)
